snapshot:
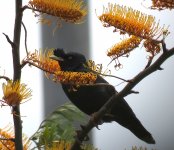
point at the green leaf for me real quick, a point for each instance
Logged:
(59, 125)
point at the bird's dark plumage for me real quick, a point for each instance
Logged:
(91, 98)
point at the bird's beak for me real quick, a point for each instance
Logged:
(56, 58)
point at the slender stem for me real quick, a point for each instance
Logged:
(17, 73)
(25, 29)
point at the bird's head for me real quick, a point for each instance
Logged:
(68, 61)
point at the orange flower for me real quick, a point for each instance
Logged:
(69, 10)
(75, 78)
(43, 61)
(7, 133)
(15, 93)
(133, 22)
(124, 47)
(52, 67)
(66, 145)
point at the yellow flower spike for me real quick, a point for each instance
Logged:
(59, 145)
(153, 47)
(66, 145)
(162, 4)
(124, 47)
(75, 78)
(15, 92)
(69, 10)
(7, 133)
(133, 22)
(52, 67)
(43, 61)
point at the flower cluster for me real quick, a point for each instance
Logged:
(41, 60)
(68, 10)
(124, 47)
(162, 4)
(133, 22)
(52, 67)
(74, 78)
(15, 92)
(8, 135)
(65, 145)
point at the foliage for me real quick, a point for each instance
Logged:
(59, 125)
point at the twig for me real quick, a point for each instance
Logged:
(113, 100)
(108, 75)
(33, 64)
(163, 46)
(9, 41)
(5, 77)
(26, 49)
(149, 62)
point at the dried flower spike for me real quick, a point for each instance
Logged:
(133, 22)
(153, 47)
(162, 4)
(124, 47)
(69, 10)
(15, 92)
(97, 68)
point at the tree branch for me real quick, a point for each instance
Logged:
(5, 77)
(113, 100)
(17, 73)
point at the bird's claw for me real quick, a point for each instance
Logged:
(94, 121)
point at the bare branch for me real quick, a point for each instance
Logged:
(149, 62)
(163, 46)
(9, 41)
(17, 72)
(5, 77)
(25, 38)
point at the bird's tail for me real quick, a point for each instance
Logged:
(124, 115)
(138, 130)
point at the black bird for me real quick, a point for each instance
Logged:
(90, 99)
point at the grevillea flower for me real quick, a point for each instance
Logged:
(52, 67)
(133, 22)
(74, 78)
(162, 4)
(65, 145)
(124, 47)
(8, 135)
(68, 10)
(153, 47)
(42, 60)
(15, 92)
